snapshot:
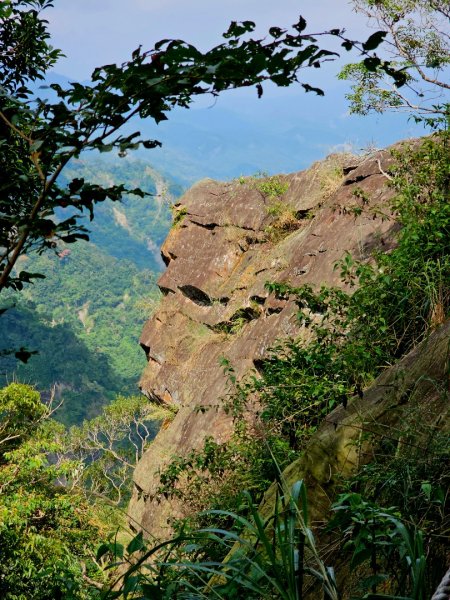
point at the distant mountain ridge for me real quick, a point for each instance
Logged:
(239, 134)
(221, 143)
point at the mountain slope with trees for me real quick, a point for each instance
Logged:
(84, 319)
(388, 296)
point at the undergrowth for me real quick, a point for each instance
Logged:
(271, 187)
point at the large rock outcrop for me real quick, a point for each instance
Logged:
(228, 241)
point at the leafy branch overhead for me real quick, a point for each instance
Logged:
(39, 136)
(417, 44)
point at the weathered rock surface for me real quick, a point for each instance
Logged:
(229, 241)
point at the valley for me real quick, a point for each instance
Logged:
(84, 319)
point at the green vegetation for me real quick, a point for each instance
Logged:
(63, 490)
(84, 320)
(380, 537)
(178, 214)
(392, 511)
(271, 187)
(46, 526)
(417, 37)
(267, 558)
(110, 445)
(134, 228)
(237, 321)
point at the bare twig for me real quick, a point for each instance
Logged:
(384, 172)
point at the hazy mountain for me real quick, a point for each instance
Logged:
(239, 134)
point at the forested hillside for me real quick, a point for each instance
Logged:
(135, 228)
(84, 319)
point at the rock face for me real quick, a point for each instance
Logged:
(228, 241)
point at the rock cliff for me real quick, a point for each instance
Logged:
(228, 240)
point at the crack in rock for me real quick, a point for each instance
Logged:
(196, 295)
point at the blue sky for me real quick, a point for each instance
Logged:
(95, 32)
(287, 122)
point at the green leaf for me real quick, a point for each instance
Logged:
(372, 63)
(102, 550)
(149, 144)
(276, 32)
(426, 488)
(310, 88)
(348, 45)
(136, 544)
(236, 29)
(130, 585)
(300, 25)
(76, 184)
(374, 40)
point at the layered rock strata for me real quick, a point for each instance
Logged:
(228, 240)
